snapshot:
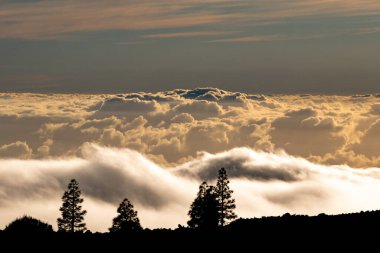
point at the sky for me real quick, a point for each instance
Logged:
(145, 99)
(264, 46)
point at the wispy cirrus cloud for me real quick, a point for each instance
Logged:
(368, 30)
(258, 38)
(274, 37)
(59, 19)
(186, 34)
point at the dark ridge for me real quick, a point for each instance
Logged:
(290, 232)
(28, 225)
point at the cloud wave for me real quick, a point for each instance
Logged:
(264, 184)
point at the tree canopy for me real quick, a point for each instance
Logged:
(127, 219)
(214, 205)
(204, 212)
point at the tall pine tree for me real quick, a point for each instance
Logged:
(225, 200)
(204, 209)
(71, 210)
(127, 219)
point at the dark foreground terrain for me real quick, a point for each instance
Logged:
(358, 231)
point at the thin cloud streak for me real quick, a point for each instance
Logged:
(186, 34)
(60, 19)
(258, 38)
(285, 37)
(55, 20)
(368, 30)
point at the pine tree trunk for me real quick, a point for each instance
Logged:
(222, 208)
(72, 213)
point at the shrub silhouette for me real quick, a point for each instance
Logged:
(27, 224)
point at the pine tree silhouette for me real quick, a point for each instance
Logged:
(127, 219)
(196, 211)
(71, 210)
(204, 209)
(225, 200)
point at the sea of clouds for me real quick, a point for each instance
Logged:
(171, 127)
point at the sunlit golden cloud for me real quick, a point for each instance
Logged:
(172, 127)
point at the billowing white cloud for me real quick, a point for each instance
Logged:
(263, 184)
(18, 149)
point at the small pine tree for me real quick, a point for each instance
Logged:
(204, 209)
(226, 202)
(71, 210)
(127, 219)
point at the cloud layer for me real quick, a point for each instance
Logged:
(59, 19)
(172, 127)
(264, 184)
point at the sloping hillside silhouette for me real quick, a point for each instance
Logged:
(286, 231)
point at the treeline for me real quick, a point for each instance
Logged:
(213, 207)
(354, 232)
